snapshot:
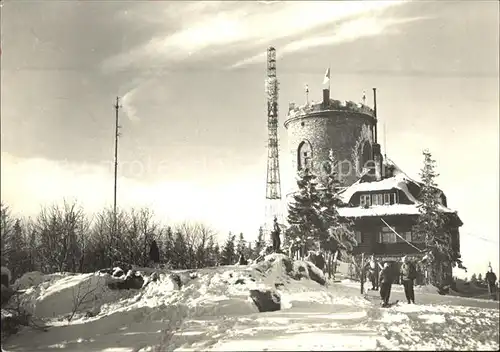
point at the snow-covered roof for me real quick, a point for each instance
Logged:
(384, 210)
(398, 181)
(397, 170)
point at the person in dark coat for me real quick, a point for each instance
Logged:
(408, 274)
(154, 252)
(242, 259)
(373, 267)
(491, 279)
(386, 279)
(276, 236)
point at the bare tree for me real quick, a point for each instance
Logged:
(6, 225)
(61, 230)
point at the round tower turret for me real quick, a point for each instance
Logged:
(345, 128)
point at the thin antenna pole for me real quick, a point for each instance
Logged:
(385, 142)
(117, 134)
(375, 112)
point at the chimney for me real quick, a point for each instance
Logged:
(326, 97)
(378, 160)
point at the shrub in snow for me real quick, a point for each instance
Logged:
(131, 281)
(177, 280)
(266, 300)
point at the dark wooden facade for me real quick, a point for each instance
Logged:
(370, 227)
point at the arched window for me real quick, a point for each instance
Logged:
(365, 156)
(304, 155)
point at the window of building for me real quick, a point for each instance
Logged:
(407, 235)
(387, 236)
(377, 199)
(394, 198)
(387, 198)
(304, 155)
(358, 237)
(365, 200)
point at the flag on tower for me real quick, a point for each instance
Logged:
(327, 76)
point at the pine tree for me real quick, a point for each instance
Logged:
(304, 212)
(217, 255)
(248, 251)
(480, 278)
(179, 257)
(18, 259)
(5, 233)
(259, 243)
(431, 225)
(167, 252)
(228, 256)
(211, 253)
(241, 246)
(473, 278)
(337, 232)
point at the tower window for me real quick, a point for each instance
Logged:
(304, 155)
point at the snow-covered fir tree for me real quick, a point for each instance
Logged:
(304, 213)
(179, 258)
(431, 225)
(259, 243)
(338, 232)
(241, 246)
(228, 255)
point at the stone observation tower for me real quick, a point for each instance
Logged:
(346, 129)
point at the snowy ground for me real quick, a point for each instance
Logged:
(213, 312)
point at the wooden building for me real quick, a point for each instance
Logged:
(384, 212)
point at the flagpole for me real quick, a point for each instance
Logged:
(329, 79)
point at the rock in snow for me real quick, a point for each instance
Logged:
(266, 300)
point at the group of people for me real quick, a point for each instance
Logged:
(383, 277)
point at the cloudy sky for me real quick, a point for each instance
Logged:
(191, 75)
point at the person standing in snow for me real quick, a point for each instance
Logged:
(386, 279)
(491, 279)
(276, 236)
(154, 252)
(242, 260)
(408, 274)
(373, 267)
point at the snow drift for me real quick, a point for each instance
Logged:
(212, 309)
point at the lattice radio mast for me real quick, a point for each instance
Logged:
(273, 186)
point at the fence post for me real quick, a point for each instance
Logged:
(362, 273)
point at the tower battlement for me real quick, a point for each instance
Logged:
(295, 111)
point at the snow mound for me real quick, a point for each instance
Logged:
(211, 309)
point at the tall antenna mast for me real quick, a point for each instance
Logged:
(273, 186)
(117, 107)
